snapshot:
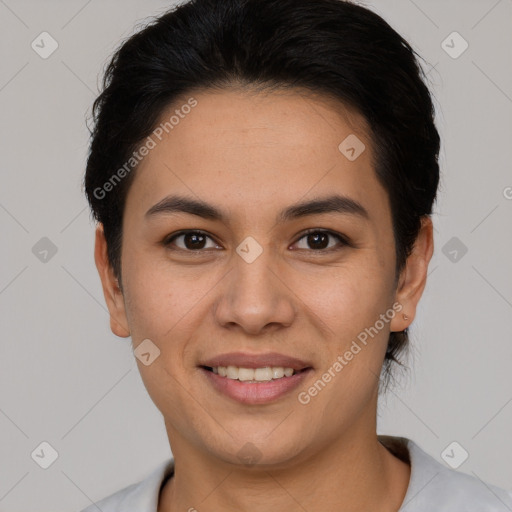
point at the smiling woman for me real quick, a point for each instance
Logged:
(267, 254)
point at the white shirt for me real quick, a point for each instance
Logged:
(433, 487)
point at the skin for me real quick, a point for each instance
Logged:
(252, 155)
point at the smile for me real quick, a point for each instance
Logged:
(241, 385)
(252, 375)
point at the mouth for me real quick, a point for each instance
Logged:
(254, 375)
(255, 378)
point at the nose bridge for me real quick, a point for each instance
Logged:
(254, 279)
(254, 295)
(252, 268)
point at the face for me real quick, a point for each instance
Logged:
(287, 263)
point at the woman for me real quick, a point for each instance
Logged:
(263, 174)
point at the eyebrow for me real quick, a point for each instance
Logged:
(330, 204)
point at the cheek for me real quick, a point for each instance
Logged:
(156, 297)
(346, 298)
(165, 306)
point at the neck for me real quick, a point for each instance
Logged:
(356, 471)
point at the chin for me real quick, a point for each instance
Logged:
(252, 450)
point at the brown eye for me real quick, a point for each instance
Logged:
(318, 240)
(190, 241)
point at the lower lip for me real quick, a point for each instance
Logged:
(256, 392)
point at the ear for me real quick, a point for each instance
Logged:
(111, 290)
(414, 276)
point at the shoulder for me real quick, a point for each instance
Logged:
(141, 496)
(475, 495)
(435, 486)
(113, 502)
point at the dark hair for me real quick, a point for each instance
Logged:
(331, 47)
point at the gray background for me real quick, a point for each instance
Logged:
(66, 379)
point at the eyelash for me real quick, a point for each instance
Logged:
(343, 240)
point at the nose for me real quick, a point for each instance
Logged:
(254, 297)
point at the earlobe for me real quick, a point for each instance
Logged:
(111, 290)
(414, 276)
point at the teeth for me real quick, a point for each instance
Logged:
(277, 372)
(253, 374)
(262, 374)
(232, 372)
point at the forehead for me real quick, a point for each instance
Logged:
(236, 147)
(276, 121)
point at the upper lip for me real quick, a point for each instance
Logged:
(245, 360)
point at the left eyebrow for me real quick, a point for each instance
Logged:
(330, 204)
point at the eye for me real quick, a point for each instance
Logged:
(191, 240)
(318, 240)
(314, 239)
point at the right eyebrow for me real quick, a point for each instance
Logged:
(172, 204)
